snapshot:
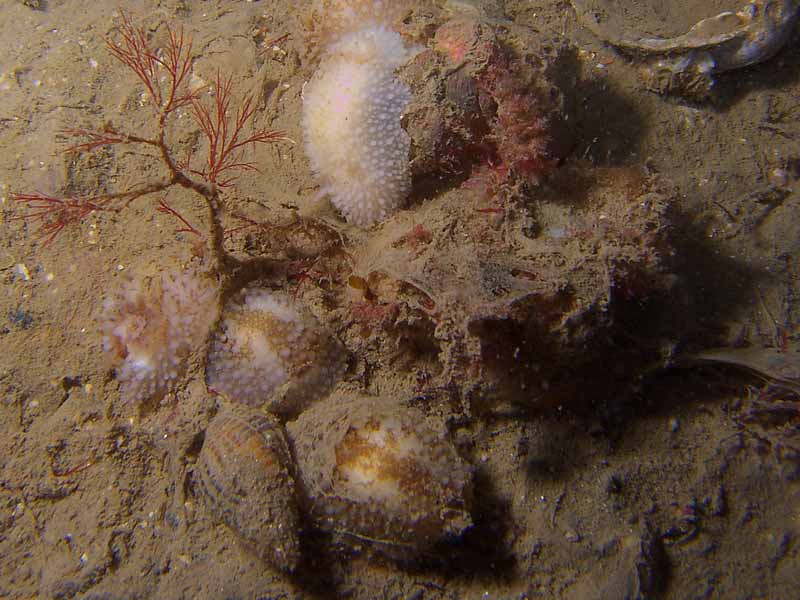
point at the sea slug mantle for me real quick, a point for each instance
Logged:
(351, 120)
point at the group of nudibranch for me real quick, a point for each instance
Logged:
(278, 452)
(364, 469)
(470, 307)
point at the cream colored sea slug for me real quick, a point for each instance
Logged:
(271, 352)
(351, 120)
(151, 327)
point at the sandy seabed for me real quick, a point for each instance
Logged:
(686, 488)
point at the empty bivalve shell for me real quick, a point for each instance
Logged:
(245, 475)
(374, 471)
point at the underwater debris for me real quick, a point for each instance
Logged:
(513, 308)
(780, 369)
(686, 64)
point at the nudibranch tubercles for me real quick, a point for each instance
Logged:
(352, 108)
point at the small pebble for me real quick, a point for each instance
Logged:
(572, 537)
(23, 271)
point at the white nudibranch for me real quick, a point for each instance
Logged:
(153, 327)
(352, 108)
(271, 352)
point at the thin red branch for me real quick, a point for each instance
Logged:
(277, 40)
(248, 224)
(94, 139)
(226, 137)
(134, 51)
(73, 470)
(165, 208)
(54, 214)
(106, 137)
(178, 62)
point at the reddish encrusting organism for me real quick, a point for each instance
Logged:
(515, 151)
(416, 239)
(520, 134)
(492, 119)
(370, 315)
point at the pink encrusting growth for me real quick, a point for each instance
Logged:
(521, 134)
(506, 138)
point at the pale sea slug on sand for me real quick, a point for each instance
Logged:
(154, 328)
(374, 470)
(270, 351)
(352, 108)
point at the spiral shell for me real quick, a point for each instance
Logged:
(372, 470)
(271, 352)
(245, 475)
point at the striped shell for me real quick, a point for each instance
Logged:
(374, 471)
(245, 476)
